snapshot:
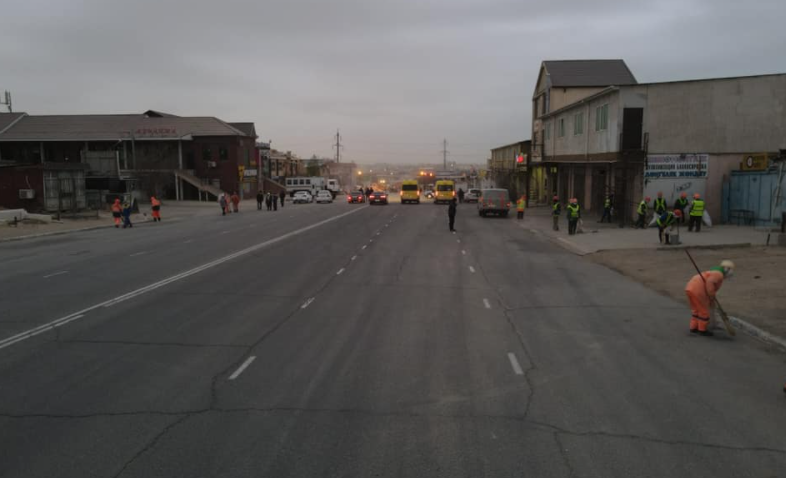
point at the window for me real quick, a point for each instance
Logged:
(207, 153)
(561, 127)
(578, 124)
(602, 117)
(547, 131)
(302, 182)
(223, 154)
(308, 182)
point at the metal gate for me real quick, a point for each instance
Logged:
(65, 190)
(748, 198)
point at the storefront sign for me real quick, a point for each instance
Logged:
(155, 132)
(754, 162)
(248, 173)
(676, 166)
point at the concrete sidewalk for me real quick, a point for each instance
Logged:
(599, 237)
(170, 211)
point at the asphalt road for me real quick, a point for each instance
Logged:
(347, 340)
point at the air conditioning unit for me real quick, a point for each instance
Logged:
(27, 194)
(211, 164)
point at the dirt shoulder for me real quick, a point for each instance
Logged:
(757, 293)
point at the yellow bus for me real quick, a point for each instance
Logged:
(410, 192)
(445, 191)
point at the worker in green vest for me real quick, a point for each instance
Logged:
(667, 220)
(574, 214)
(696, 213)
(642, 212)
(521, 203)
(556, 210)
(660, 204)
(680, 205)
(607, 205)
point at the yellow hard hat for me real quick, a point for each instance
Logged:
(728, 267)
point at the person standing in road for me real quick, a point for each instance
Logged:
(696, 213)
(452, 214)
(117, 212)
(701, 291)
(642, 212)
(607, 204)
(222, 201)
(521, 203)
(660, 205)
(235, 202)
(282, 195)
(556, 211)
(461, 195)
(667, 220)
(275, 202)
(574, 214)
(680, 204)
(156, 206)
(260, 198)
(269, 201)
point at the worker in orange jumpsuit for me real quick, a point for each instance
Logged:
(701, 290)
(235, 202)
(156, 205)
(117, 210)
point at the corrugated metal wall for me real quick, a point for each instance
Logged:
(753, 192)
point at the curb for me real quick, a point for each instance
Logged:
(758, 333)
(69, 231)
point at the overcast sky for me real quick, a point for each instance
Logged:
(397, 76)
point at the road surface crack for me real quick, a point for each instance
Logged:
(152, 443)
(563, 452)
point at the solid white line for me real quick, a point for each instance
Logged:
(69, 320)
(486, 303)
(340, 271)
(242, 367)
(354, 257)
(137, 253)
(463, 252)
(55, 274)
(471, 269)
(143, 290)
(307, 302)
(364, 246)
(515, 364)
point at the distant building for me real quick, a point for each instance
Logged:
(508, 166)
(76, 161)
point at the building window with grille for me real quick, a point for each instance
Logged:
(578, 124)
(207, 153)
(602, 117)
(561, 127)
(223, 154)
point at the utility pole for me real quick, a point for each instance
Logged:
(338, 146)
(445, 155)
(7, 101)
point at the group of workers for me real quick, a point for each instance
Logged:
(121, 212)
(270, 200)
(572, 212)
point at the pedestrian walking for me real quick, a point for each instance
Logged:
(521, 203)
(701, 291)
(660, 204)
(461, 195)
(696, 213)
(574, 214)
(556, 211)
(275, 202)
(607, 205)
(269, 201)
(117, 212)
(282, 195)
(667, 220)
(127, 215)
(260, 199)
(641, 223)
(222, 201)
(235, 202)
(680, 204)
(452, 214)
(156, 207)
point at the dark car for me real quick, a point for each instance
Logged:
(378, 197)
(356, 196)
(494, 201)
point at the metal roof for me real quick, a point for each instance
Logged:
(7, 119)
(246, 128)
(578, 73)
(114, 127)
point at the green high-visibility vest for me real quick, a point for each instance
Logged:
(682, 203)
(573, 211)
(642, 208)
(556, 209)
(660, 205)
(670, 217)
(698, 208)
(607, 203)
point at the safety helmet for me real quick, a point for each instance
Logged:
(647, 199)
(728, 268)
(573, 200)
(696, 196)
(684, 195)
(677, 213)
(660, 194)
(556, 198)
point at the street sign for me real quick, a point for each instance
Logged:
(755, 162)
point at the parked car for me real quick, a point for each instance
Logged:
(356, 196)
(302, 197)
(472, 195)
(378, 197)
(323, 196)
(494, 201)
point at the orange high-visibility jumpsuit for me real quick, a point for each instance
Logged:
(156, 204)
(117, 209)
(701, 297)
